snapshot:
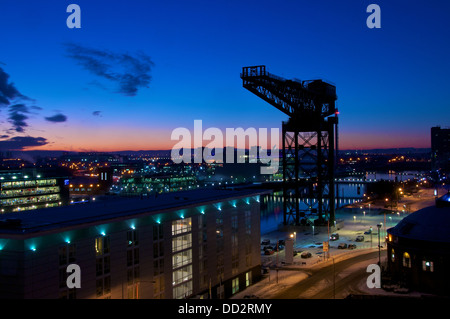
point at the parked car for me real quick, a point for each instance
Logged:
(268, 252)
(351, 246)
(359, 238)
(334, 236)
(342, 246)
(306, 254)
(265, 242)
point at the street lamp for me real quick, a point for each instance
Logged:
(294, 236)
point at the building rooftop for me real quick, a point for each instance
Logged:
(111, 209)
(428, 224)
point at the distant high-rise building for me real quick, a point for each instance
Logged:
(440, 147)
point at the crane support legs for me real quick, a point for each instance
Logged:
(308, 174)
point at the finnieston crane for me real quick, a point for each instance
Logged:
(309, 142)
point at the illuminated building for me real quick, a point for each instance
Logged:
(31, 189)
(176, 245)
(155, 183)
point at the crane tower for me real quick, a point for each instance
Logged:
(309, 142)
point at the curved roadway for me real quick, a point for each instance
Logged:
(320, 283)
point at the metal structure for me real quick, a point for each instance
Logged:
(309, 142)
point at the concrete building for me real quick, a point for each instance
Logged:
(418, 249)
(192, 244)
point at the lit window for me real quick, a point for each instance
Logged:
(406, 260)
(248, 278)
(102, 245)
(427, 265)
(235, 285)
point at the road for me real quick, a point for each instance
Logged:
(320, 283)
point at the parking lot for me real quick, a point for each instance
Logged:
(359, 231)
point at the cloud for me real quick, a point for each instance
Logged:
(128, 72)
(17, 116)
(13, 100)
(57, 118)
(19, 143)
(97, 113)
(17, 119)
(8, 91)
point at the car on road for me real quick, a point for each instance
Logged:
(306, 254)
(268, 252)
(334, 236)
(351, 246)
(342, 246)
(359, 238)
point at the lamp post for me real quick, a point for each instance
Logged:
(334, 280)
(294, 237)
(379, 247)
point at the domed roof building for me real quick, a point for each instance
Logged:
(418, 249)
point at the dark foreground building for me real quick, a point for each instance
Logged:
(193, 244)
(418, 249)
(440, 147)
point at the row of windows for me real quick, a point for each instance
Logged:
(181, 226)
(158, 263)
(235, 282)
(427, 265)
(182, 258)
(66, 254)
(30, 200)
(30, 183)
(29, 191)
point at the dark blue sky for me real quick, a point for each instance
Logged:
(138, 69)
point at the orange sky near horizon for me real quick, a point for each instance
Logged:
(134, 139)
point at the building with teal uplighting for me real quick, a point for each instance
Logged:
(193, 244)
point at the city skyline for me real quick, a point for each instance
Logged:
(135, 72)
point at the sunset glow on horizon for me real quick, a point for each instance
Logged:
(136, 71)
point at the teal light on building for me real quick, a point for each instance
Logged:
(176, 245)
